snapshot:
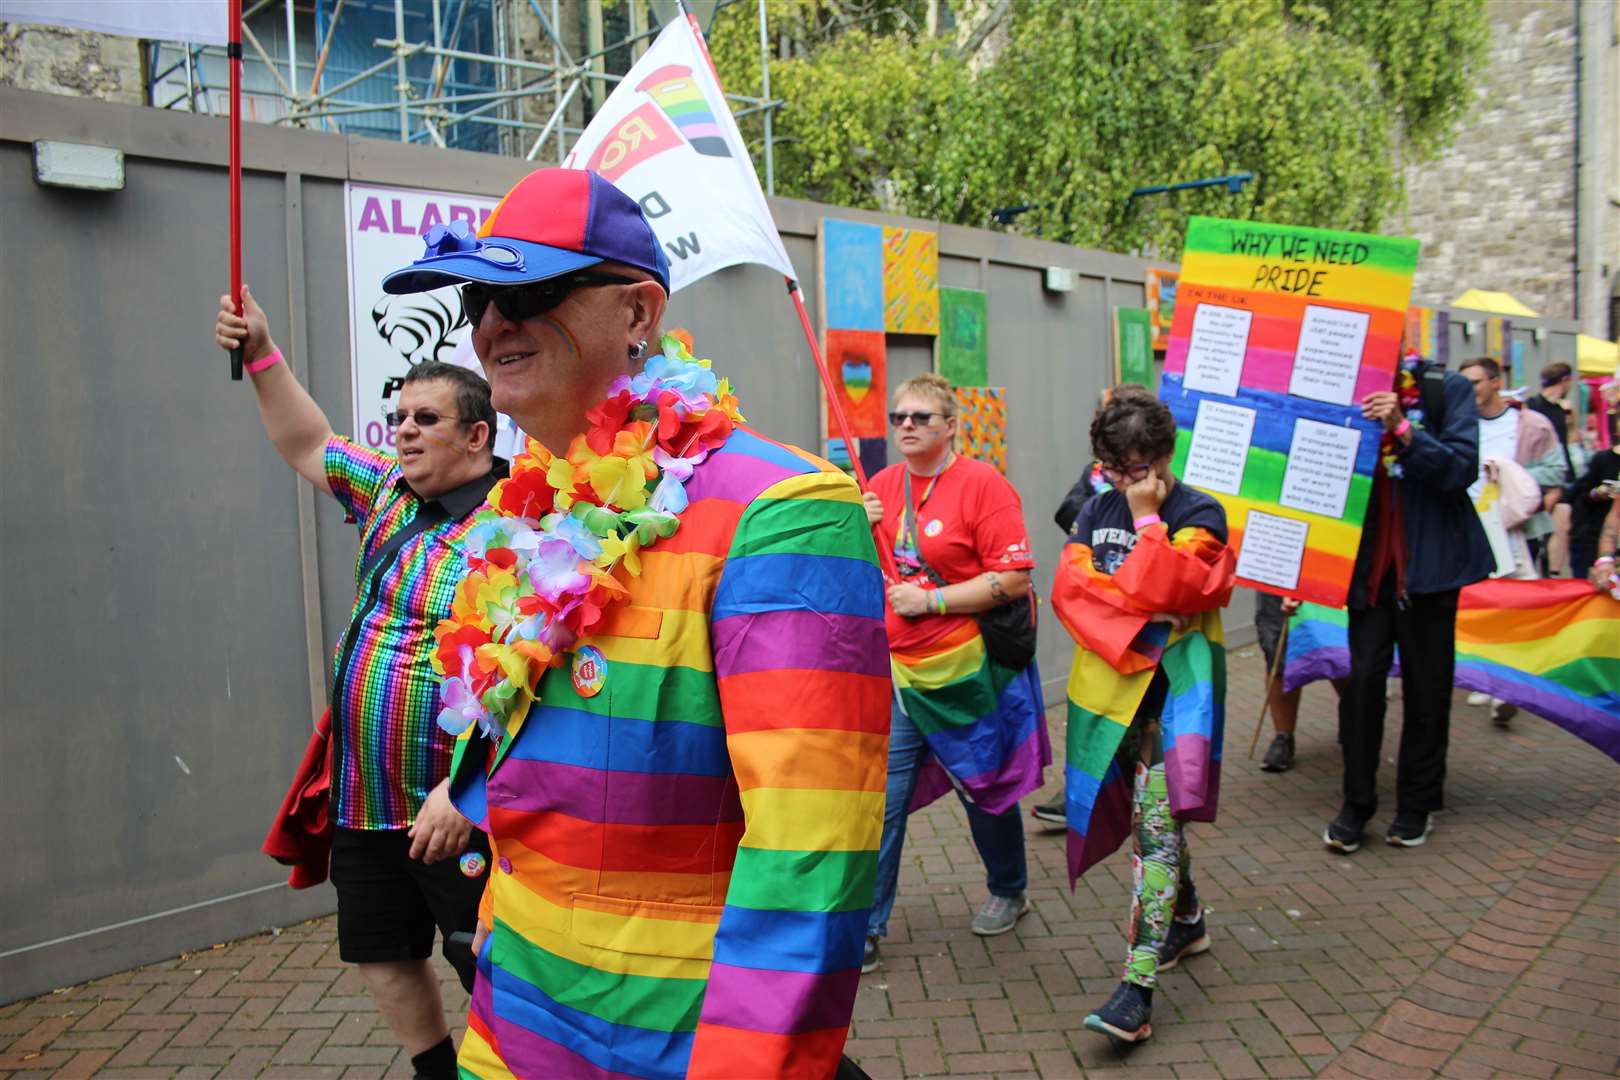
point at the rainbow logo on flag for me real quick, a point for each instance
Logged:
(675, 92)
(1551, 648)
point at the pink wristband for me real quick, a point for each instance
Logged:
(1145, 520)
(263, 362)
(1405, 426)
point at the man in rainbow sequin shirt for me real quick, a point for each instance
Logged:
(668, 676)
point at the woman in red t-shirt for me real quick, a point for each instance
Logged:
(960, 719)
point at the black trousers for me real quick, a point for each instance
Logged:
(1426, 630)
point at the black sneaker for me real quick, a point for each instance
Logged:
(1280, 754)
(1410, 828)
(1502, 713)
(870, 960)
(1126, 1016)
(1346, 832)
(1184, 939)
(1054, 812)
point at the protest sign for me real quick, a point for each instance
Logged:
(1280, 332)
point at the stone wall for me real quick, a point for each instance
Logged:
(77, 63)
(1497, 209)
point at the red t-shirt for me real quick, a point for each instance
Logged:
(971, 523)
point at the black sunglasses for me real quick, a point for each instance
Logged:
(423, 417)
(519, 302)
(919, 419)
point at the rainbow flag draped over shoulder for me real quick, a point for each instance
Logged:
(1551, 648)
(985, 724)
(1102, 703)
(1117, 653)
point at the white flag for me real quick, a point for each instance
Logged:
(199, 21)
(666, 138)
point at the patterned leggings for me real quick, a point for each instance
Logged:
(1163, 882)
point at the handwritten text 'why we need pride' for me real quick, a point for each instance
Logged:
(1313, 252)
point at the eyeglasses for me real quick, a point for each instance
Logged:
(1128, 473)
(423, 417)
(519, 302)
(918, 419)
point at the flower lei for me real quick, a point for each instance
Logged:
(1411, 398)
(544, 554)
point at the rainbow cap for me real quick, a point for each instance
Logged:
(552, 222)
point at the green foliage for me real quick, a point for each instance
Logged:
(1079, 102)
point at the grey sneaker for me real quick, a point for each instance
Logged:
(870, 960)
(1055, 812)
(999, 914)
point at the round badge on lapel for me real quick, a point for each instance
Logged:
(590, 671)
(473, 863)
(933, 528)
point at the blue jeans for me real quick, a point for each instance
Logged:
(999, 837)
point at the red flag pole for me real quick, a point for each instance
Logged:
(233, 51)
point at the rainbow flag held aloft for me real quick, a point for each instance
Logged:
(985, 724)
(1551, 648)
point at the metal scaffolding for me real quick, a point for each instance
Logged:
(439, 71)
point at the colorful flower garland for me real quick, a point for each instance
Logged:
(543, 555)
(1411, 399)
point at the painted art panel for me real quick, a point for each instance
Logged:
(981, 424)
(852, 274)
(1161, 305)
(873, 454)
(1133, 346)
(1289, 327)
(910, 281)
(964, 336)
(858, 363)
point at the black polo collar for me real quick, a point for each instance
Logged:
(458, 502)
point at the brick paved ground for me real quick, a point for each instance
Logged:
(1493, 950)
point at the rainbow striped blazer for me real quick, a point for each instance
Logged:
(685, 851)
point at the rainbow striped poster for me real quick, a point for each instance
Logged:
(1279, 332)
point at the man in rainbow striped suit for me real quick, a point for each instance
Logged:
(685, 823)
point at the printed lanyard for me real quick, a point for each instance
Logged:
(906, 551)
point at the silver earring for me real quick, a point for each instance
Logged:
(638, 350)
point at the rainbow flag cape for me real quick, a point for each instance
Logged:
(1551, 648)
(1102, 704)
(1117, 652)
(985, 724)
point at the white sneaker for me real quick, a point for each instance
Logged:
(1479, 697)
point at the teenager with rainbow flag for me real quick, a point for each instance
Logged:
(960, 717)
(1140, 586)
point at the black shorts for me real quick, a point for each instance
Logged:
(389, 903)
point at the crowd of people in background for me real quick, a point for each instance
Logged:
(690, 751)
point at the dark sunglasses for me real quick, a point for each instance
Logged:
(423, 417)
(919, 419)
(519, 302)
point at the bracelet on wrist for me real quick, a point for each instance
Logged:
(1145, 521)
(1403, 427)
(1601, 559)
(939, 601)
(270, 360)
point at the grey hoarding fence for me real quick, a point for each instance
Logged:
(172, 592)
